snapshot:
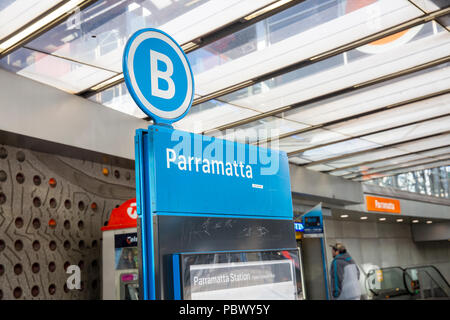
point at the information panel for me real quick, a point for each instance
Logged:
(264, 275)
(193, 173)
(223, 195)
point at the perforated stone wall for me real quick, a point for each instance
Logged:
(51, 212)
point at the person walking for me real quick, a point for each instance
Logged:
(344, 275)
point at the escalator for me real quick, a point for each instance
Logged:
(413, 283)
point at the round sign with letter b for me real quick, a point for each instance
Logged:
(158, 75)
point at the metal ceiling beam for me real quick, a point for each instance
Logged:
(437, 20)
(356, 116)
(366, 134)
(365, 84)
(204, 40)
(405, 164)
(387, 146)
(330, 53)
(430, 164)
(383, 159)
(241, 24)
(61, 18)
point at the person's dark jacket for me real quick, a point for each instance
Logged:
(344, 276)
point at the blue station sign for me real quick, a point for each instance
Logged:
(196, 193)
(184, 177)
(196, 174)
(158, 75)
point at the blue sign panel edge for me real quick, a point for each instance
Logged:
(147, 243)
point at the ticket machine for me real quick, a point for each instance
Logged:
(120, 254)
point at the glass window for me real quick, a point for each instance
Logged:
(321, 167)
(397, 167)
(270, 127)
(366, 157)
(418, 111)
(305, 140)
(298, 33)
(383, 163)
(401, 149)
(433, 181)
(410, 132)
(421, 44)
(298, 160)
(211, 114)
(98, 34)
(412, 86)
(119, 99)
(430, 5)
(338, 149)
(60, 73)
(16, 13)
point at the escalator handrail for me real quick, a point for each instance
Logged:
(384, 269)
(433, 267)
(404, 275)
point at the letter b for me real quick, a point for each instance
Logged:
(156, 74)
(234, 309)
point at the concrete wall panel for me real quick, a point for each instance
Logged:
(45, 227)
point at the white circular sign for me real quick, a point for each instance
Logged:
(158, 75)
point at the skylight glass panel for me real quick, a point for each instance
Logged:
(426, 143)
(298, 160)
(422, 44)
(418, 111)
(412, 86)
(396, 166)
(266, 128)
(411, 132)
(63, 74)
(298, 33)
(435, 152)
(98, 34)
(338, 149)
(430, 5)
(405, 169)
(119, 99)
(384, 163)
(305, 140)
(320, 167)
(401, 149)
(211, 114)
(15, 14)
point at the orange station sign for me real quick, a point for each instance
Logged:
(382, 204)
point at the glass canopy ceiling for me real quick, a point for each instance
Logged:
(355, 88)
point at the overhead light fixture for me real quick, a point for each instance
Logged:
(415, 221)
(363, 218)
(399, 220)
(119, 77)
(66, 9)
(266, 9)
(344, 216)
(190, 3)
(429, 221)
(382, 219)
(133, 6)
(189, 46)
(145, 12)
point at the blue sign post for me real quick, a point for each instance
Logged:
(197, 194)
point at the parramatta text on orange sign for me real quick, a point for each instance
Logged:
(382, 204)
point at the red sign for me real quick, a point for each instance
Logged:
(123, 217)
